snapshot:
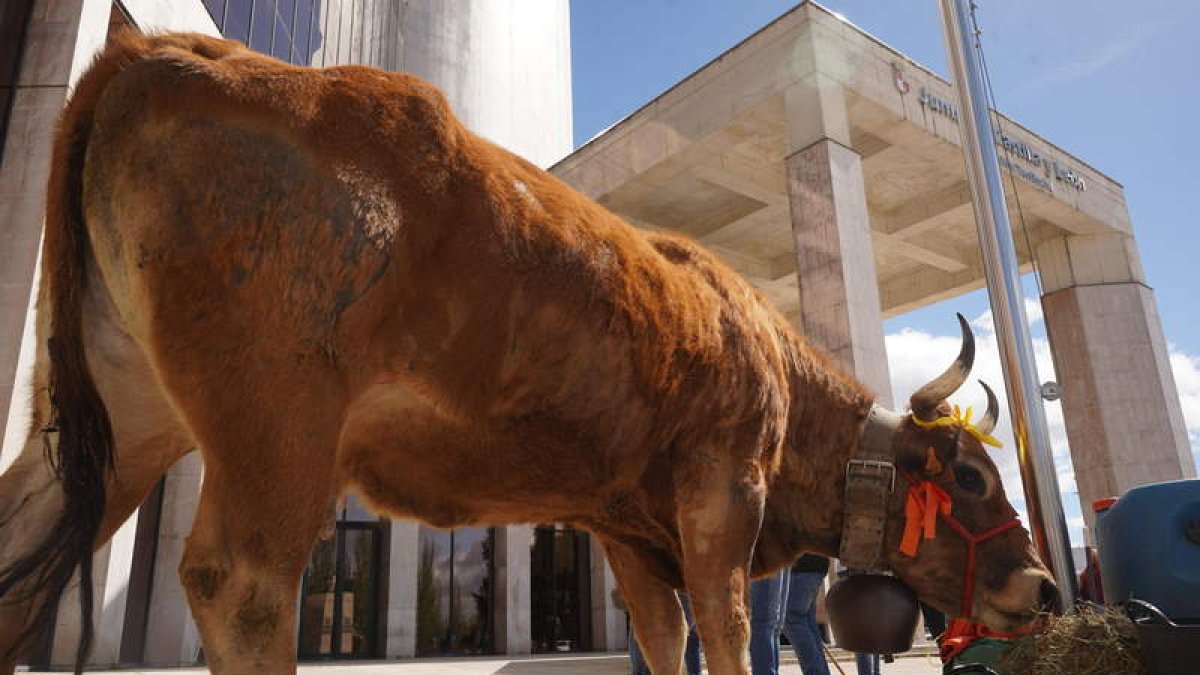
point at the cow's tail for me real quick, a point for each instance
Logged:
(83, 454)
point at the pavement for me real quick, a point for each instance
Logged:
(610, 663)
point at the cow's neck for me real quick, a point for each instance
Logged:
(804, 504)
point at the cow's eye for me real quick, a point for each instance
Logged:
(969, 479)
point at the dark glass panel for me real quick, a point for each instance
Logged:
(471, 599)
(317, 620)
(237, 20)
(339, 602)
(358, 585)
(302, 28)
(454, 592)
(561, 592)
(286, 10)
(260, 25)
(316, 32)
(433, 591)
(216, 9)
(282, 40)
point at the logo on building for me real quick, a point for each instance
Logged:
(1052, 171)
(898, 78)
(938, 105)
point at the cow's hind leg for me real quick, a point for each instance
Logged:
(719, 519)
(654, 609)
(148, 438)
(268, 488)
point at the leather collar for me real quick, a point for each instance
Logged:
(870, 480)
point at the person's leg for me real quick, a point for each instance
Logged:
(637, 663)
(935, 621)
(766, 603)
(691, 653)
(801, 622)
(865, 663)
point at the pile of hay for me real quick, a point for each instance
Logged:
(1093, 641)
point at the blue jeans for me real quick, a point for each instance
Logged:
(801, 622)
(768, 599)
(691, 653)
(868, 664)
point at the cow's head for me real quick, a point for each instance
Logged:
(941, 453)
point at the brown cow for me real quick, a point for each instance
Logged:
(325, 283)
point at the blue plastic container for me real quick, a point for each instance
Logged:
(1150, 548)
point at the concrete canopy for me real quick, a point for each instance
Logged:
(707, 158)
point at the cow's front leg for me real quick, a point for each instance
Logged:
(719, 519)
(654, 609)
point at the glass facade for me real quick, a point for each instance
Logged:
(340, 597)
(455, 591)
(286, 29)
(561, 590)
(316, 32)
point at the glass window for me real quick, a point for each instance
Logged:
(261, 24)
(454, 591)
(237, 20)
(282, 40)
(216, 9)
(339, 601)
(286, 9)
(561, 590)
(316, 32)
(302, 28)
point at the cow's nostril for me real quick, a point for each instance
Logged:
(1048, 598)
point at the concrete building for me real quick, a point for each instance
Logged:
(817, 161)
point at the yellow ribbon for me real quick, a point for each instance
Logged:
(961, 420)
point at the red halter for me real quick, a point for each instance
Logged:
(926, 501)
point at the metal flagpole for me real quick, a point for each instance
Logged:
(1040, 480)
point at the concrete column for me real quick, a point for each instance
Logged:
(1121, 408)
(63, 35)
(110, 583)
(513, 623)
(608, 621)
(835, 261)
(171, 635)
(403, 550)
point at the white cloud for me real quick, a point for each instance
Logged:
(1187, 380)
(1102, 54)
(915, 357)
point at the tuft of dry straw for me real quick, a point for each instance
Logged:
(1092, 641)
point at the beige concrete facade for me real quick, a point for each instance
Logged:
(61, 38)
(862, 144)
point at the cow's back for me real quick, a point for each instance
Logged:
(345, 218)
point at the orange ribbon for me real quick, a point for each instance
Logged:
(925, 500)
(962, 632)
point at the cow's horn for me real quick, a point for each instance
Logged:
(988, 421)
(927, 398)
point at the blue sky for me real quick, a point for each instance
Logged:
(1113, 83)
